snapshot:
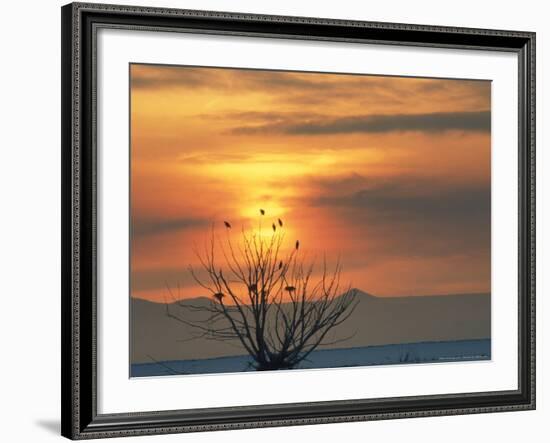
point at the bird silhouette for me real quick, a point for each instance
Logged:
(262, 212)
(280, 223)
(253, 287)
(297, 244)
(274, 227)
(290, 288)
(280, 264)
(219, 296)
(227, 224)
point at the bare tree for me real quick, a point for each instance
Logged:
(266, 299)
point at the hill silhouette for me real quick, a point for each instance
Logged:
(375, 321)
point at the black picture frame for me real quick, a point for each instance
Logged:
(79, 179)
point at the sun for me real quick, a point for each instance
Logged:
(270, 210)
(268, 219)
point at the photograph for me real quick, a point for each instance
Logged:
(294, 220)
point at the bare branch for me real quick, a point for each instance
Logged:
(268, 301)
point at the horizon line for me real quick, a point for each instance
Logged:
(361, 293)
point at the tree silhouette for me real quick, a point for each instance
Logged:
(266, 299)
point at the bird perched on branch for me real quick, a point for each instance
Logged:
(297, 244)
(280, 223)
(280, 264)
(274, 227)
(262, 212)
(290, 288)
(227, 224)
(219, 296)
(253, 287)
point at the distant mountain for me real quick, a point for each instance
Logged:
(375, 321)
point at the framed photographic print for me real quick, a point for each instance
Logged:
(273, 221)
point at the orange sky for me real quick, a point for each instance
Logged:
(391, 174)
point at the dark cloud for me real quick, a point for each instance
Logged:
(147, 279)
(431, 123)
(261, 117)
(150, 77)
(147, 226)
(418, 200)
(409, 216)
(162, 278)
(305, 89)
(216, 78)
(275, 81)
(215, 157)
(342, 184)
(334, 83)
(174, 279)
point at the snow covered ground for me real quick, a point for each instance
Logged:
(424, 352)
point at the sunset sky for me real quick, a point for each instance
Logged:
(390, 174)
